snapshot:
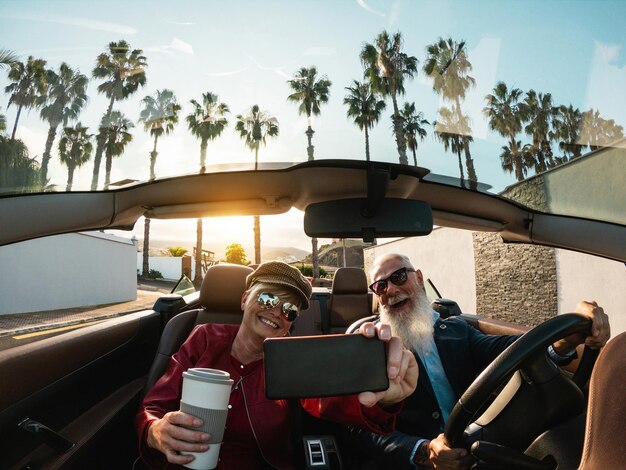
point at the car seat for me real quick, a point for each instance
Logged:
(220, 301)
(349, 299)
(606, 413)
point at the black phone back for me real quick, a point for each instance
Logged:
(322, 366)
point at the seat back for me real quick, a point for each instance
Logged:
(220, 300)
(606, 414)
(349, 299)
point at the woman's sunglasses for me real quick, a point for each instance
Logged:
(269, 301)
(397, 278)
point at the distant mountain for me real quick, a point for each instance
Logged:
(286, 254)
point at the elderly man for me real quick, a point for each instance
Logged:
(451, 354)
(257, 433)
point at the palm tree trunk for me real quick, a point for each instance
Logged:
(257, 239)
(414, 157)
(469, 164)
(309, 150)
(145, 268)
(458, 153)
(256, 158)
(17, 118)
(99, 150)
(399, 133)
(45, 159)
(153, 157)
(315, 259)
(367, 145)
(517, 159)
(197, 277)
(70, 177)
(203, 146)
(109, 163)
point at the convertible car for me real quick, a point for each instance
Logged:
(488, 145)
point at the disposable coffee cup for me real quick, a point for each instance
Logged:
(206, 393)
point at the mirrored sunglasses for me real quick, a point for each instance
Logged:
(268, 301)
(397, 278)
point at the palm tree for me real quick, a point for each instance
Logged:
(505, 117)
(567, 124)
(124, 72)
(75, 149)
(413, 124)
(7, 58)
(538, 112)
(452, 134)
(115, 137)
(207, 121)
(447, 64)
(365, 108)
(29, 85)
(310, 92)
(597, 132)
(386, 67)
(67, 94)
(159, 115)
(18, 172)
(254, 128)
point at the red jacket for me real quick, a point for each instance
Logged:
(260, 430)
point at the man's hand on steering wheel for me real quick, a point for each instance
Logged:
(600, 329)
(442, 457)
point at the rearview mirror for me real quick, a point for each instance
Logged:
(352, 218)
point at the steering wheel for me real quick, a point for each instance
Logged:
(527, 354)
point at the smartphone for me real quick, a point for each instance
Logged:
(324, 366)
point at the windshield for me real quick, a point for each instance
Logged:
(94, 98)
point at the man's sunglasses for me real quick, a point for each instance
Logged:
(397, 278)
(269, 301)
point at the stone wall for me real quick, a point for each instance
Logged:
(514, 282)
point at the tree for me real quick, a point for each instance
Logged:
(159, 115)
(115, 137)
(538, 113)
(255, 127)
(567, 124)
(124, 72)
(450, 131)
(29, 85)
(448, 66)
(207, 121)
(65, 98)
(386, 67)
(413, 124)
(597, 132)
(7, 58)
(176, 251)
(505, 117)
(310, 92)
(75, 149)
(365, 108)
(235, 254)
(18, 172)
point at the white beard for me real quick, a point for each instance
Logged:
(416, 328)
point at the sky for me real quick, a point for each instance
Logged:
(245, 51)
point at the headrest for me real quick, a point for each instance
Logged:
(222, 287)
(349, 281)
